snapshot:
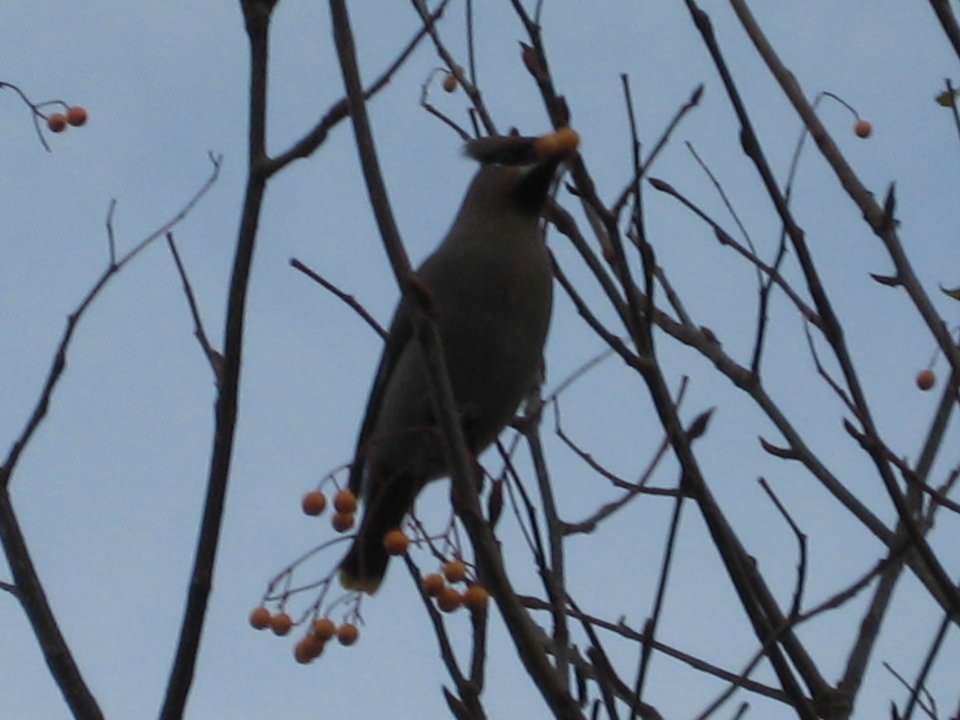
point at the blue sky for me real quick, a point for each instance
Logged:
(110, 491)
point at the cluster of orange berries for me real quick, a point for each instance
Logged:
(447, 597)
(344, 506)
(76, 116)
(311, 646)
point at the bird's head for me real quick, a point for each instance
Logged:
(517, 171)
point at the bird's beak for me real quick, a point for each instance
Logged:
(549, 150)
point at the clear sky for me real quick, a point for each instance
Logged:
(110, 491)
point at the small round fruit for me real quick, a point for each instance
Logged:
(313, 503)
(308, 649)
(433, 584)
(455, 571)
(260, 618)
(342, 521)
(347, 634)
(281, 624)
(395, 542)
(567, 140)
(324, 629)
(345, 502)
(476, 597)
(77, 116)
(863, 128)
(57, 122)
(450, 83)
(926, 379)
(562, 142)
(449, 599)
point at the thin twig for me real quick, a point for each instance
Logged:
(213, 357)
(921, 682)
(30, 592)
(350, 300)
(339, 110)
(257, 15)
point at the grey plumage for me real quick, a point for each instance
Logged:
(490, 285)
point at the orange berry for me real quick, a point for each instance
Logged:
(449, 599)
(347, 634)
(77, 116)
(308, 649)
(433, 584)
(476, 597)
(562, 142)
(313, 503)
(926, 379)
(324, 628)
(863, 128)
(345, 502)
(281, 624)
(450, 83)
(57, 122)
(567, 140)
(342, 521)
(260, 618)
(395, 542)
(455, 571)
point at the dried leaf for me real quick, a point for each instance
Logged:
(947, 98)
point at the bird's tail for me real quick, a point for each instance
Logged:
(365, 564)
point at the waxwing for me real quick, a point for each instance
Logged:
(490, 289)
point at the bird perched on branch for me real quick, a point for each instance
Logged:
(489, 285)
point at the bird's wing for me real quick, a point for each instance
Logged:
(401, 333)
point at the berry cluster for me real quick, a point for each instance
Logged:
(447, 597)
(75, 116)
(344, 506)
(311, 645)
(321, 630)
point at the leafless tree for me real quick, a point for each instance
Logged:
(637, 312)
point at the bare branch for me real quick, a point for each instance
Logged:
(350, 300)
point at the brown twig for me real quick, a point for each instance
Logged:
(724, 238)
(339, 110)
(350, 300)
(879, 219)
(802, 549)
(30, 592)
(948, 22)
(554, 576)
(472, 91)
(257, 15)
(469, 693)
(920, 683)
(213, 357)
(35, 113)
(650, 627)
(662, 141)
(625, 631)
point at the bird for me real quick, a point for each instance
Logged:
(490, 288)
